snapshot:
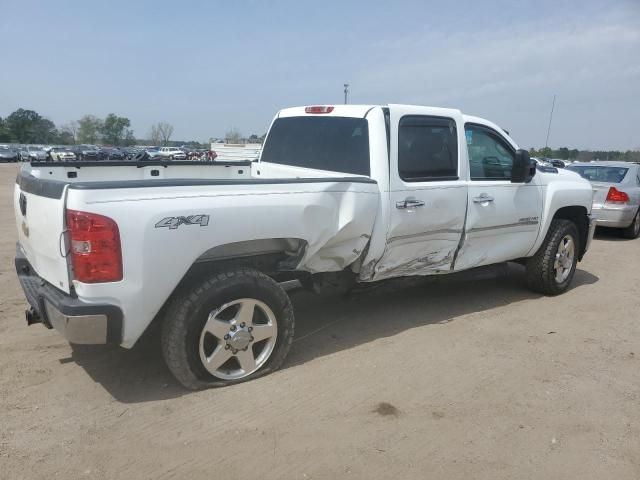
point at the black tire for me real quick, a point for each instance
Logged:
(541, 274)
(633, 230)
(188, 311)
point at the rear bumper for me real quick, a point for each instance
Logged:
(77, 321)
(614, 216)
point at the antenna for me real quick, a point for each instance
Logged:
(346, 92)
(546, 143)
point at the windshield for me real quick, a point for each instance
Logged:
(599, 173)
(338, 144)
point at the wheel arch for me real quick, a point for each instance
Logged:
(577, 214)
(275, 257)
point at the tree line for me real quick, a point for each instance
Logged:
(29, 127)
(564, 153)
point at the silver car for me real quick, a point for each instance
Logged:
(616, 198)
(35, 153)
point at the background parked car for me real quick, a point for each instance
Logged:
(86, 152)
(195, 153)
(172, 153)
(23, 152)
(616, 199)
(129, 152)
(556, 162)
(152, 152)
(61, 154)
(9, 154)
(112, 154)
(36, 153)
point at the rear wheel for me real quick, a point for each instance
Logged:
(231, 327)
(633, 230)
(552, 268)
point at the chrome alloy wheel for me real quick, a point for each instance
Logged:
(636, 224)
(564, 258)
(238, 338)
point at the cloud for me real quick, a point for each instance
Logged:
(513, 72)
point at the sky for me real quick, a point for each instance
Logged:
(208, 66)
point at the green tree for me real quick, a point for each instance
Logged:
(70, 131)
(129, 139)
(27, 126)
(89, 128)
(545, 152)
(115, 129)
(44, 131)
(4, 133)
(563, 153)
(65, 138)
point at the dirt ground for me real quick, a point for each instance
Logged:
(470, 376)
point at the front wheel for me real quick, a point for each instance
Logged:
(552, 268)
(230, 327)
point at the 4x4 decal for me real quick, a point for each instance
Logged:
(174, 222)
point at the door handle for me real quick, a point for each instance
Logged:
(483, 198)
(407, 203)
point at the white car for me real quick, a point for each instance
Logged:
(171, 153)
(340, 195)
(61, 154)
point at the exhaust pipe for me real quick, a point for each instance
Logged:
(32, 316)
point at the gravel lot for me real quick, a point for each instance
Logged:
(470, 376)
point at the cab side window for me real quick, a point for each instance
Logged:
(427, 149)
(490, 157)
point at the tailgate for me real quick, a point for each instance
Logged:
(39, 211)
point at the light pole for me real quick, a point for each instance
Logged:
(346, 92)
(546, 143)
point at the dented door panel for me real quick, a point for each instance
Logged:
(426, 215)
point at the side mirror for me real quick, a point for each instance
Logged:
(524, 169)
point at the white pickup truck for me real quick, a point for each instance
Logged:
(340, 195)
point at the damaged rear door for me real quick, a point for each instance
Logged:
(428, 200)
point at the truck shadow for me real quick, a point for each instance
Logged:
(383, 310)
(327, 324)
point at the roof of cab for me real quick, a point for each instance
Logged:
(338, 111)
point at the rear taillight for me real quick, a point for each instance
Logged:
(318, 109)
(616, 196)
(95, 247)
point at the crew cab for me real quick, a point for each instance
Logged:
(340, 195)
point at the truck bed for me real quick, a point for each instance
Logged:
(322, 221)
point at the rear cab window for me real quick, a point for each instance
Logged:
(337, 144)
(427, 148)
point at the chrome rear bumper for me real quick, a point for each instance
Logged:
(77, 321)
